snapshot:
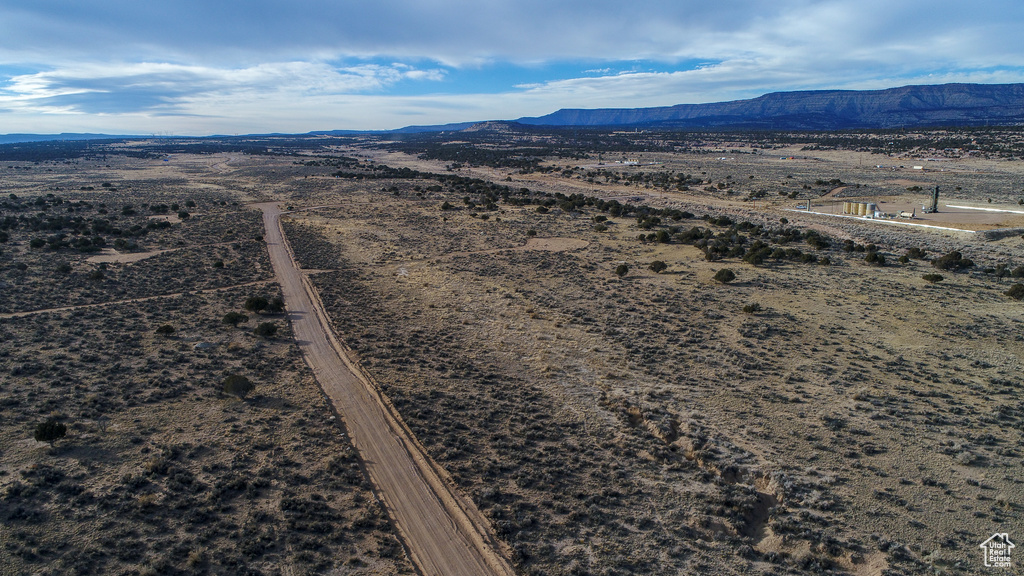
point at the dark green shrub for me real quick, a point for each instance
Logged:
(658, 266)
(266, 330)
(165, 330)
(817, 241)
(953, 261)
(237, 385)
(621, 270)
(917, 253)
(1016, 292)
(275, 305)
(256, 304)
(725, 276)
(875, 259)
(758, 253)
(752, 308)
(690, 236)
(932, 278)
(50, 431)
(234, 318)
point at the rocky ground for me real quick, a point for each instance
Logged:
(648, 424)
(161, 471)
(820, 413)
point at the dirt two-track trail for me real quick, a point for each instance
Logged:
(445, 534)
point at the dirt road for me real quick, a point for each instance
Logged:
(445, 534)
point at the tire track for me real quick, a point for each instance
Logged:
(129, 300)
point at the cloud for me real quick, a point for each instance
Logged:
(458, 33)
(169, 88)
(454, 32)
(268, 65)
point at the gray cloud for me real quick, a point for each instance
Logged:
(168, 89)
(463, 33)
(456, 32)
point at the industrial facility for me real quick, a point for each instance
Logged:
(865, 209)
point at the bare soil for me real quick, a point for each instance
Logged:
(858, 420)
(109, 255)
(160, 471)
(831, 430)
(444, 533)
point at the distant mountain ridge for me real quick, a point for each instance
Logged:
(908, 106)
(905, 107)
(20, 138)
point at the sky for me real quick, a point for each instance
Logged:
(202, 67)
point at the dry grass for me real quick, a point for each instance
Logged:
(859, 421)
(160, 471)
(648, 425)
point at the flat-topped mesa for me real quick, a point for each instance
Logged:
(905, 107)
